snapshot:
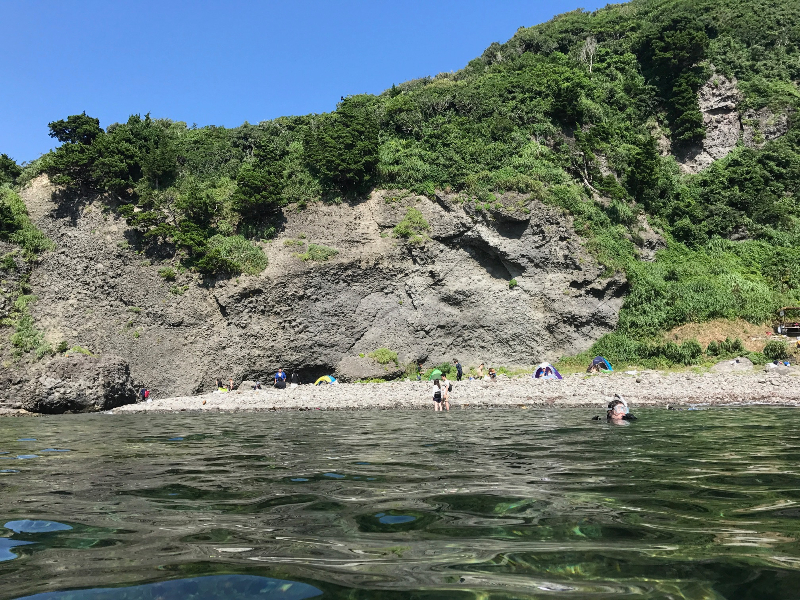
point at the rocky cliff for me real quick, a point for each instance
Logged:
(726, 124)
(446, 295)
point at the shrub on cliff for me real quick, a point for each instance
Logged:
(167, 273)
(384, 356)
(317, 253)
(233, 255)
(17, 228)
(412, 227)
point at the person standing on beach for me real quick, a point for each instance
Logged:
(230, 385)
(280, 379)
(447, 387)
(437, 395)
(480, 371)
(419, 371)
(459, 370)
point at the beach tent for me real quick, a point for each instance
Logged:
(325, 379)
(437, 374)
(547, 371)
(600, 362)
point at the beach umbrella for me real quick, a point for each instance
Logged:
(437, 374)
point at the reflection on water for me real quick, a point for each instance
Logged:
(29, 526)
(472, 504)
(230, 587)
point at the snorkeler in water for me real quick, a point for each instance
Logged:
(617, 411)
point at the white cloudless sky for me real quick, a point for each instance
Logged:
(223, 63)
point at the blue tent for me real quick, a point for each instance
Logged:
(547, 371)
(598, 362)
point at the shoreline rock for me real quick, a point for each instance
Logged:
(78, 384)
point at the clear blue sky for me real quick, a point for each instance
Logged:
(226, 62)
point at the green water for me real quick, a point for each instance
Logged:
(381, 504)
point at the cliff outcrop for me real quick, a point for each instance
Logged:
(447, 294)
(78, 383)
(726, 124)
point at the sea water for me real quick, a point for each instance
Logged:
(401, 504)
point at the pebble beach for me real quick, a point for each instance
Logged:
(640, 389)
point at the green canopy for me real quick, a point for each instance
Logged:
(437, 374)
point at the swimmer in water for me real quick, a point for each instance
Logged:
(617, 411)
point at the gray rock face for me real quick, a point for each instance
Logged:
(446, 297)
(78, 384)
(761, 126)
(719, 99)
(355, 367)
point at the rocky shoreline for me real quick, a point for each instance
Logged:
(778, 387)
(644, 389)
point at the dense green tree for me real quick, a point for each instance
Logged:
(9, 170)
(72, 163)
(260, 183)
(343, 147)
(672, 54)
(76, 129)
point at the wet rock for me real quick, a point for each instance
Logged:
(78, 384)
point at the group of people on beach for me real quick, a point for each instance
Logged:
(279, 382)
(443, 387)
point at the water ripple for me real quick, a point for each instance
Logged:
(500, 504)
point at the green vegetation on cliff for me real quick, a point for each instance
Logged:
(16, 226)
(575, 112)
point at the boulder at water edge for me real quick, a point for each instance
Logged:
(79, 384)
